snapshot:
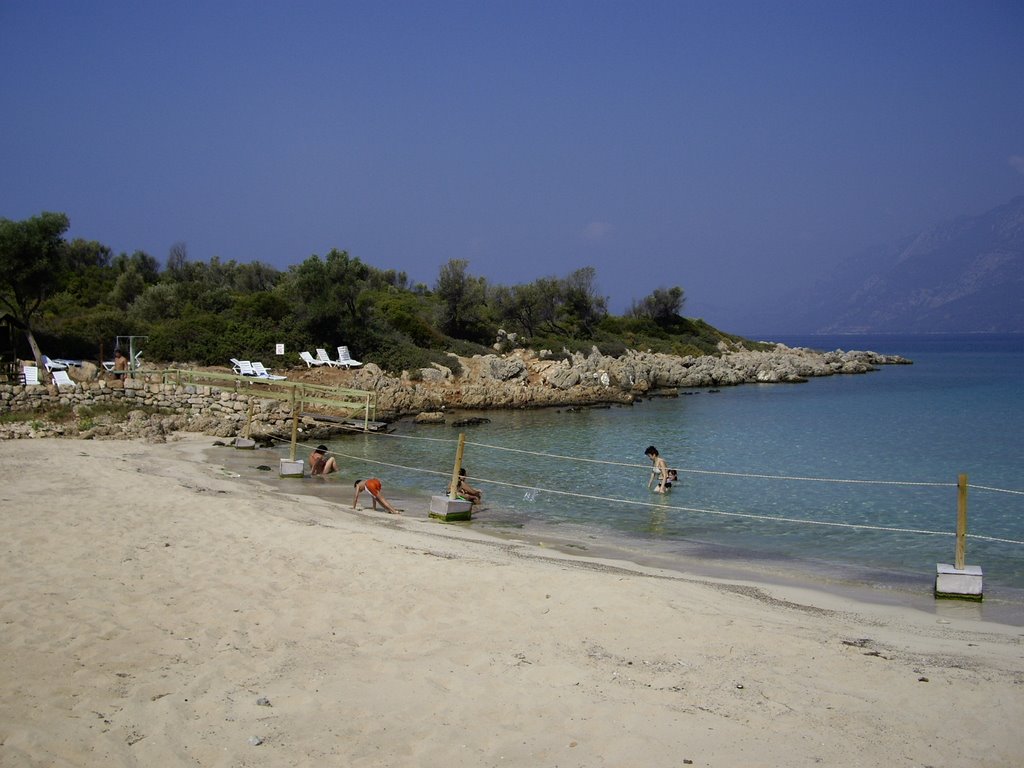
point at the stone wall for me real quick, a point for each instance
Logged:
(153, 409)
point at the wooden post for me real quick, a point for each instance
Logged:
(248, 421)
(961, 522)
(453, 488)
(295, 426)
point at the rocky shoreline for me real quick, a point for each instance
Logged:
(527, 379)
(519, 379)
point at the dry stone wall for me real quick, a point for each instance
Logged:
(154, 409)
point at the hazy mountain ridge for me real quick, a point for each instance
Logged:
(964, 275)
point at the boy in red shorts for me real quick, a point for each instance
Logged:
(372, 486)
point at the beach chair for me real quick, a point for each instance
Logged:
(323, 357)
(53, 365)
(242, 367)
(345, 359)
(31, 374)
(309, 360)
(260, 371)
(61, 379)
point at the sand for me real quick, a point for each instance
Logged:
(159, 612)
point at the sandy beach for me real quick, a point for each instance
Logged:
(159, 611)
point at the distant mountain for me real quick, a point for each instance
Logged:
(966, 275)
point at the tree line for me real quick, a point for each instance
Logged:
(73, 298)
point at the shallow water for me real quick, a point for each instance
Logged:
(580, 475)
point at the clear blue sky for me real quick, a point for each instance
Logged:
(732, 148)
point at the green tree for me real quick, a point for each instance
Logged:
(462, 299)
(35, 262)
(664, 306)
(329, 297)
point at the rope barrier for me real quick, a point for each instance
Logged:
(756, 476)
(662, 505)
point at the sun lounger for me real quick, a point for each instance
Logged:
(61, 379)
(261, 372)
(242, 367)
(53, 365)
(31, 375)
(345, 359)
(309, 360)
(323, 357)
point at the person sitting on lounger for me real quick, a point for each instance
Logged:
(320, 463)
(372, 487)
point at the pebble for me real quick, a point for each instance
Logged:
(263, 701)
(255, 740)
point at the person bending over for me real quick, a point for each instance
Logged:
(372, 487)
(320, 463)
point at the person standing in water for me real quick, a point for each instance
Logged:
(659, 469)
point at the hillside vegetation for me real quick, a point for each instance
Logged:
(72, 299)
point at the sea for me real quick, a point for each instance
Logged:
(846, 482)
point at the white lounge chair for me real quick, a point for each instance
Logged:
(309, 360)
(345, 359)
(261, 372)
(323, 357)
(53, 365)
(61, 379)
(242, 367)
(31, 375)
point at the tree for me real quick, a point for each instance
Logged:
(583, 307)
(462, 298)
(329, 297)
(34, 263)
(663, 306)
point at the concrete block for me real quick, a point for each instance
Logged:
(245, 443)
(964, 584)
(448, 510)
(291, 468)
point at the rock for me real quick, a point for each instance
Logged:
(429, 417)
(472, 421)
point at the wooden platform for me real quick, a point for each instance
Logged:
(371, 426)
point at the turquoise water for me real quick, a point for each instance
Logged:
(958, 410)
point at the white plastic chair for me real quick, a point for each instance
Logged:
(31, 375)
(345, 359)
(309, 360)
(53, 365)
(61, 379)
(323, 357)
(242, 367)
(260, 371)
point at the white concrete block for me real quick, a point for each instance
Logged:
(951, 582)
(446, 509)
(245, 443)
(291, 468)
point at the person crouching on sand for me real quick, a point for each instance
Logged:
(372, 487)
(320, 463)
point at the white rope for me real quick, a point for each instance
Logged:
(909, 483)
(663, 506)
